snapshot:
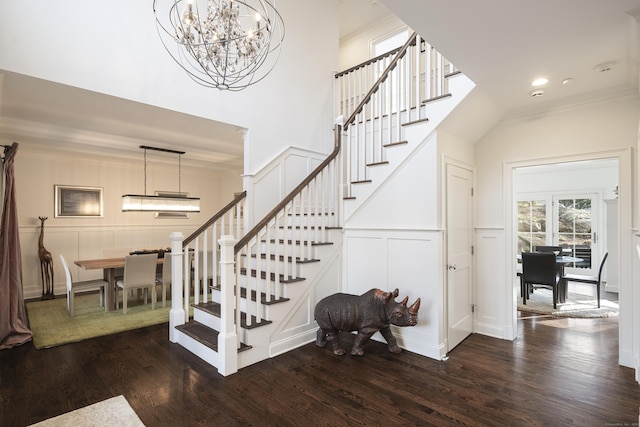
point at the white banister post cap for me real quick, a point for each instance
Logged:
(227, 240)
(176, 236)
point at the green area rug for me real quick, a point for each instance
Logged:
(52, 325)
(576, 306)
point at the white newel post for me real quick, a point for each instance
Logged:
(177, 313)
(227, 339)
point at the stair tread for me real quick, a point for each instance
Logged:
(214, 308)
(289, 259)
(263, 296)
(385, 162)
(395, 144)
(205, 335)
(435, 98)
(263, 275)
(298, 242)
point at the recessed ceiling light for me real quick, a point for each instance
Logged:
(567, 81)
(536, 93)
(539, 82)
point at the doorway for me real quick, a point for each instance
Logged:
(565, 204)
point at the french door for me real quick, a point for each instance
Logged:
(567, 220)
(575, 227)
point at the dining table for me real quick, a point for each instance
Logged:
(109, 266)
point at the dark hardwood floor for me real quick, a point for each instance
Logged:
(560, 372)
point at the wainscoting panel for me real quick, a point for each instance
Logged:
(410, 260)
(492, 293)
(76, 243)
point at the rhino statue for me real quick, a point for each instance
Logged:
(368, 313)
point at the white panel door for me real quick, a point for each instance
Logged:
(459, 247)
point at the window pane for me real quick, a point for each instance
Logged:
(532, 224)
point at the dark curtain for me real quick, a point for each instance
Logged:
(14, 325)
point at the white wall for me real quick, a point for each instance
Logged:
(113, 48)
(356, 48)
(579, 132)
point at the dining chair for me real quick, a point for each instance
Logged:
(87, 285)
(594, 280)
(164, 277)
(116, 253)
(139, 273)
(539, 270)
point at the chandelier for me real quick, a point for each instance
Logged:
(144, 203)
(224, 44)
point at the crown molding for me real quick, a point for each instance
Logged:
(572, 103)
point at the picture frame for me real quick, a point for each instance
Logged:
(172, 215)
(78, 202)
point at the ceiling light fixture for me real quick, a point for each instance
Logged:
(605, 66)
(144, 203)
(536, 93)
(223, 44)
(539, 82)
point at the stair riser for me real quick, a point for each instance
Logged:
(202, 351)
(206, 318)
(262, 265)
(308, 220)
(312, 235)
(291, 249)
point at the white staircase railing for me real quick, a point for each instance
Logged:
(412, 76)
(249, 271)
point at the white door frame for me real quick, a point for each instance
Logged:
(625, 245)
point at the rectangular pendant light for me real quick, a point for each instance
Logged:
(144, 203)
(134, 202)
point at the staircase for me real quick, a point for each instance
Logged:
(248, 294)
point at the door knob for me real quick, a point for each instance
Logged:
(451, 267)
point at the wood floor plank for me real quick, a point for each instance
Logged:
(559, 372)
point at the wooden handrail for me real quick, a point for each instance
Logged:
(259, 226)
(403, 50)
(214, 218)
(336, 150)
(367, 62)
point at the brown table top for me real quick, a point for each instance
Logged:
(102, 263)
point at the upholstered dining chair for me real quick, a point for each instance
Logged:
(87, 285)
(139, 273)
(594, 280)
(116, 253)
(539, 269)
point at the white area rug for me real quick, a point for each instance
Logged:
(111, 412)
(577, 305)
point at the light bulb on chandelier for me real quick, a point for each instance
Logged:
(224, 44)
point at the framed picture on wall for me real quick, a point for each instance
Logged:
(176, 215)
(78, 202)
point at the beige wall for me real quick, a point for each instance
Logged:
(38, 169)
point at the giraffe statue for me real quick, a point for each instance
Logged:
(46, 264)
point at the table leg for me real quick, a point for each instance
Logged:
(562, 285)
(109, 293)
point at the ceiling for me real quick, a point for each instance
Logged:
(503, 45)
(502, 48)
